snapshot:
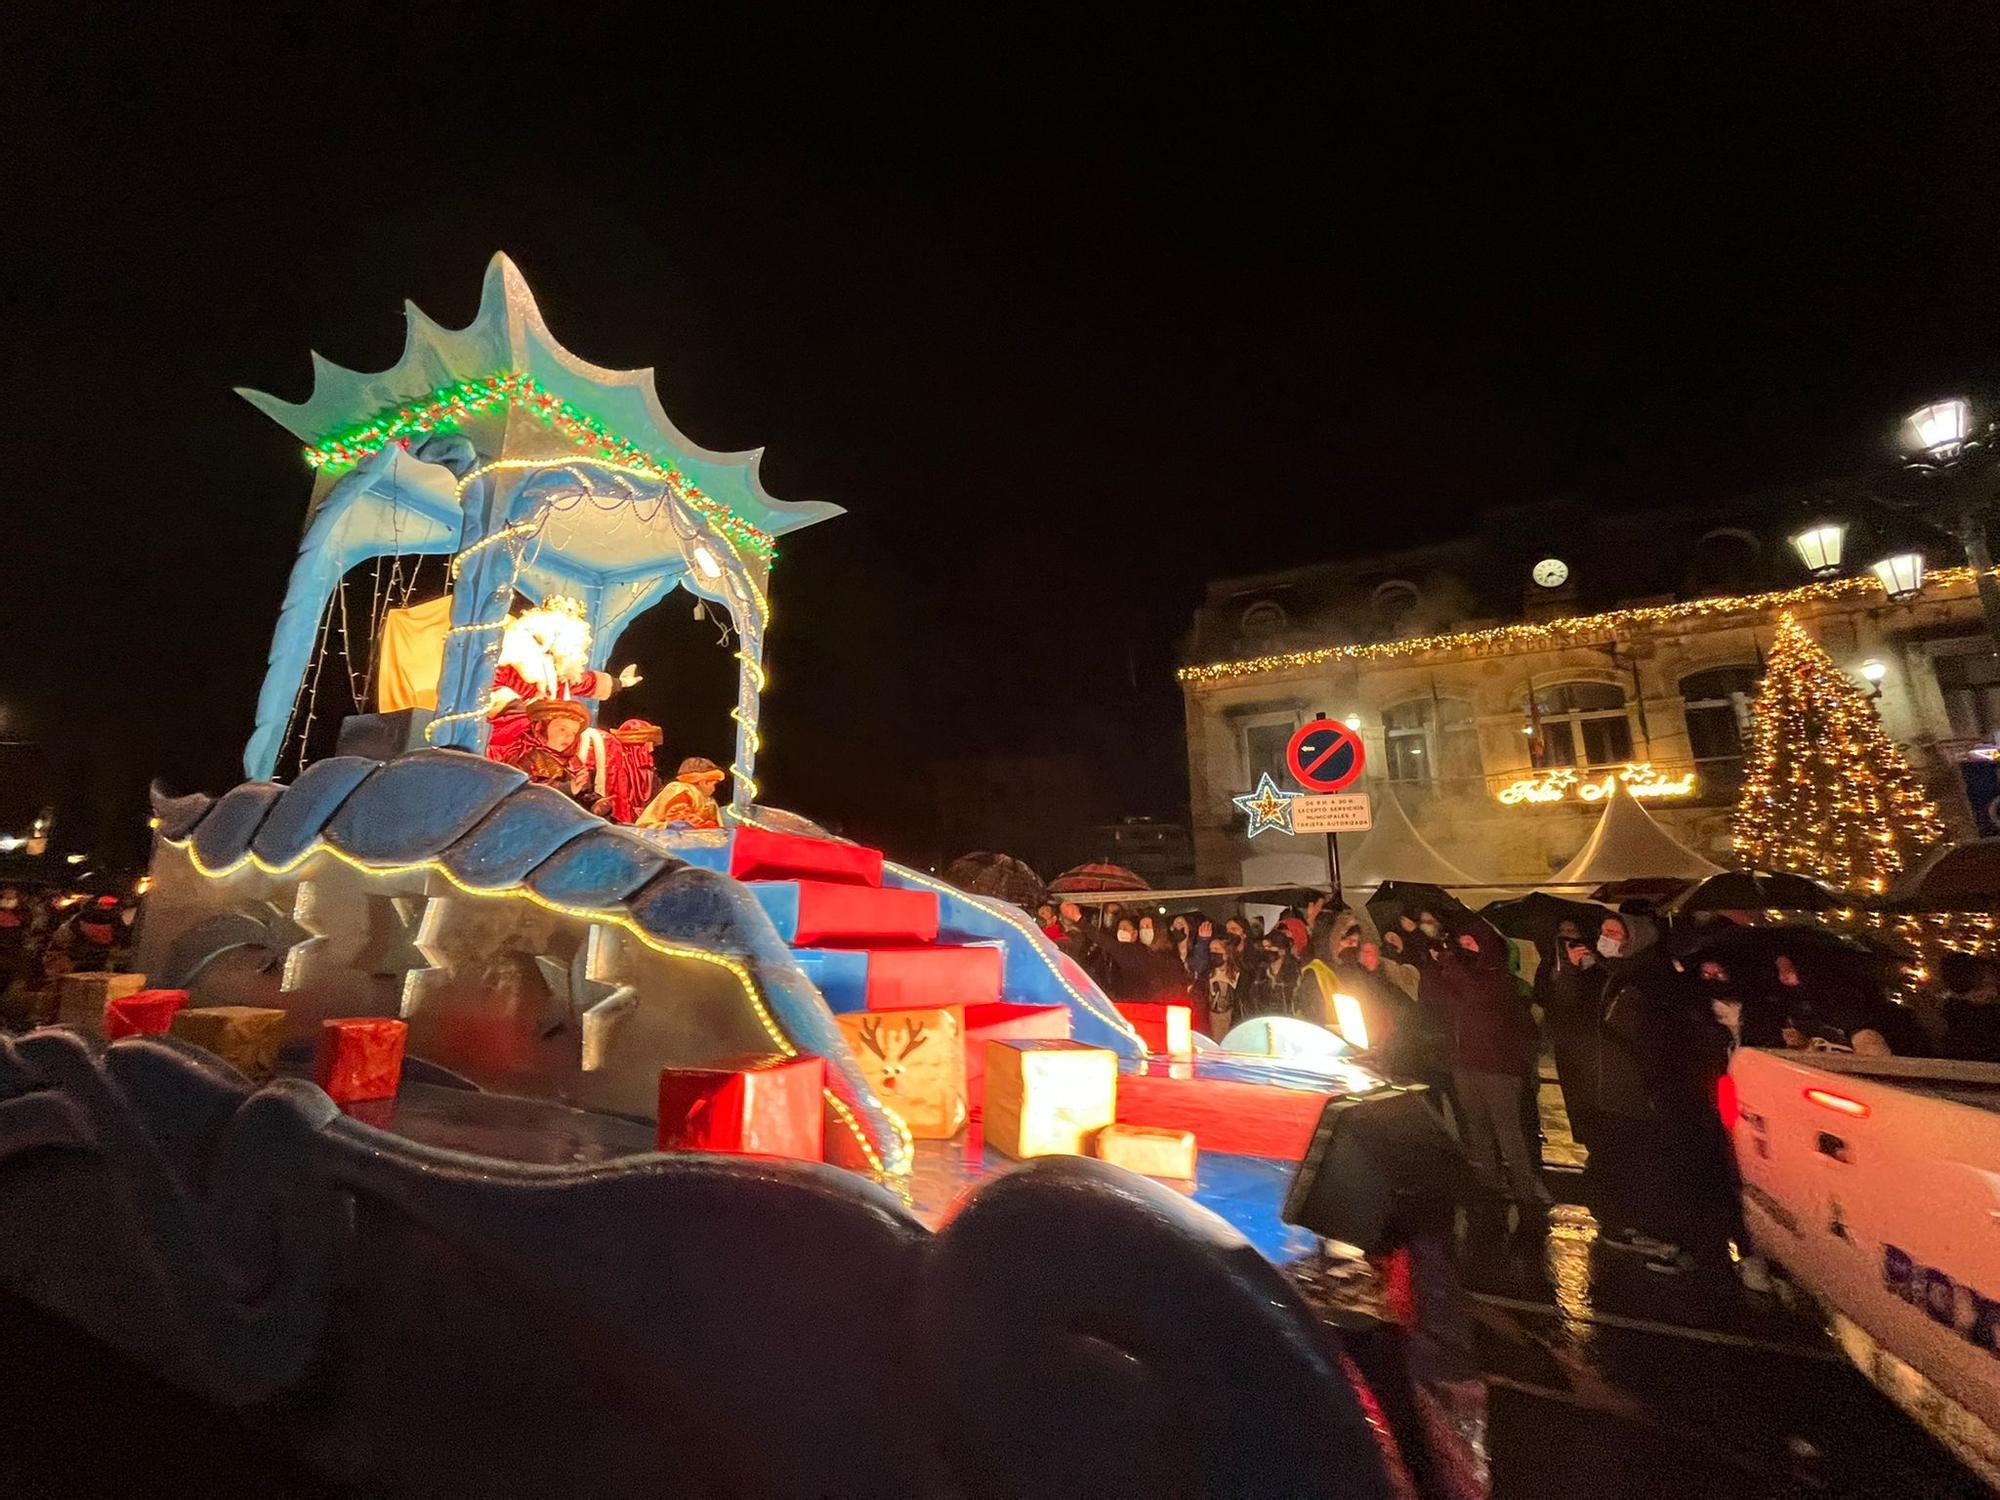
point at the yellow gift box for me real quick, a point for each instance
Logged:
(1048, 1097)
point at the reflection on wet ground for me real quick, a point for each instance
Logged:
(1608, 1379)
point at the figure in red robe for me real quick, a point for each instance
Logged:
(543, 656)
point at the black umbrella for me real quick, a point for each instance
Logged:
(1756, 890)
(1535, 916)
(1966, 878)
(997, 875)
(1652, 889)
(1405, 898)
(1815, 950)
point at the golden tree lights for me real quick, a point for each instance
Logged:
(1828, 793)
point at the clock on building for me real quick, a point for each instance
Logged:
(1551, 573)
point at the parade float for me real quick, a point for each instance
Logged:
(490, 1110)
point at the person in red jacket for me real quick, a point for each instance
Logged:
(1493, 1040)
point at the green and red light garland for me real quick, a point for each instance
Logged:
(448, 407)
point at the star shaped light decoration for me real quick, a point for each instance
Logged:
(1267, 806)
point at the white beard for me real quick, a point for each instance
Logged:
(547, 648)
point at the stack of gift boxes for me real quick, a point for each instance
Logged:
(358, 1060)
(1011, 1070)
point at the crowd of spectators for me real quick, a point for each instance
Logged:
(45, 932)
(1640, 1025)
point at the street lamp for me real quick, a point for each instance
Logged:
(1950, 445)
(1902, 574)
(1820, 546)
(1942, 432)
(1941, 440)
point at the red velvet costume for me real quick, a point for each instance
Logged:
(510, 718)
(617, 788)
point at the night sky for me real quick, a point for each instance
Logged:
(1069, 317)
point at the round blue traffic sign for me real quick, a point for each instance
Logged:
(1325, 756)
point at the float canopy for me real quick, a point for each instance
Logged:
(539, 473)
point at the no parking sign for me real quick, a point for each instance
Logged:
(1325, 756)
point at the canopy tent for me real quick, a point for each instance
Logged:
(538, 473)
(1628, 845)
(1394, 850)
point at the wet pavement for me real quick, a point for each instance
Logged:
(1608, 1379)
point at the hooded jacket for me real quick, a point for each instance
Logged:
(1492, 1028)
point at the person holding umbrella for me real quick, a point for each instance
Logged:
(1493, 1041)
(1570, 988)
(1666, 1189)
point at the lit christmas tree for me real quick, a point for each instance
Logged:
(1829, 795)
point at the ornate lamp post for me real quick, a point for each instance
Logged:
(1951, 449)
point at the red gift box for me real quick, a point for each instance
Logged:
(1004, 1023)
(1226, 1115)
(760, 1105)
(147, 1013)
(1165, 1028)
(360, 1058)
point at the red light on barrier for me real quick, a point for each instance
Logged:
(1725, 1101)
(1838, 1103)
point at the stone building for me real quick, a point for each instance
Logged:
(1498, 679)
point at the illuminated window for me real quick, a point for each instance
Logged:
(1581, 724)
(1431, 739)
(1718, 710)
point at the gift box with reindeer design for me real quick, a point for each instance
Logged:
(914, 1060)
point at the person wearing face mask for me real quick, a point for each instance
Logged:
(1293, 925)
(1133, 969)
(1190, 953)
(1664, 1190)
(1273, 982)
(1395, 962)
(1493, 1042)
(1313, 999)
(1197, 934)
(1114, 957)
(1167, 980)
(1570, 988)
(1216, 1012)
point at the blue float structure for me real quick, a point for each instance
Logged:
(856, 1326)
(539, 476)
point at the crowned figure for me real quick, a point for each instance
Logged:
(688, 801)
(540, 724)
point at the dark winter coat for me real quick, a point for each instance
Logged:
(1492, 1029)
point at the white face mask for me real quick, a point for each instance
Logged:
(1146, 935)
(1609, 946)
(1125, 935)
